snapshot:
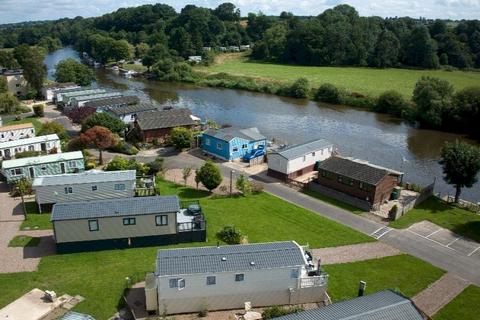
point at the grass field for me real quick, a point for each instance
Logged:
(460, 221)
(24, 241)
(381, 274)
(464, 306)
(100, 276)
(35, 220)
(367, 81)
(36, 123)
(334, 202)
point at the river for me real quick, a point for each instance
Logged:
(377, 138)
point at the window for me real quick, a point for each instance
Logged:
(161, 220)
(30, 148)
(294, 274)
(132, 117)
(68, 190)
(313, 154)
(177, 283)
(304, 158)
(72, 164)
(364, 186)
(219, 146)
(129, 221)
(17, 85)
(207, 141)
(235, 149)
(244, 146)
(239, 277)
(16, 172)
(119, 187)
(3, 135)
(211, 280)
(94, 188)
(43, 168)
(93, 225)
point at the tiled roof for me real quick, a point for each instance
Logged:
(383, 305)
(243, 257)
(356, 169)
(65, 156)
(16, 127)
(92, 176)
(227, 134)
(300, 150)
(26, 141)
(115, 207)
(128, 109)
(165, 119)
(105, 102)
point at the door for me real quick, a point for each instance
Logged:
(62, 167)
(32, 172)
(43, 147)
(7, 154)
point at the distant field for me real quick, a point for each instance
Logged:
(362, 80)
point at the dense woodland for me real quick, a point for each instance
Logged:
(338, 36)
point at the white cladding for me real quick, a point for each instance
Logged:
(16, 132)
(281, 164)
(43, 144)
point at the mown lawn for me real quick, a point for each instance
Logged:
(403, 273)
(435, 210)
(100, 276)
(334, 202)
(36, 123)
(24, 241)
(369, 81)
(464, 306)
(36, 220)
(134, 67)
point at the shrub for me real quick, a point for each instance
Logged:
(26, 154)
(230, 235)
(53, 127)
(357, 101)
(244, 185)
(75, 144)
(328, 93)
(155, 166)
(38, 110)
(181, 137)
(299, 89)
(391, 102)
(104, 120)
(209, 175)
(78, 115)
(90, 166)
(118, 163)
(125, 148)
(53, 151)
(276, 311)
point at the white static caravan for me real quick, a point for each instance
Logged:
(16, 132)
(128, 113)
(218, 278)
(64, 98)
(48, 91)
(84, 186)
(297, 160)
(43, 144)
(79, 101)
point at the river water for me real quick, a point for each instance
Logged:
(377, 138)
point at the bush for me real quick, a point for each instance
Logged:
(257, 186)
(78, 115)
(358, 101)
(104, 120)
(181, 138)
(125, 148)
(209, 175)
(155, 166)
(38, 110)
(328, 93)
(299, 89)
(26, 154)
(90, 166)
(8, 103)
(75, 144)
(230, 235)
(391, 102)
(53, 127)
(244, 185)
(118, 163)
(276, 311)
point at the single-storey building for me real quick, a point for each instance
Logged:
(297, 160)
(63, 98)
(124, 222)
(16, 82)
(79, 101)
(358, 178)
(156, 125)
(17, 131)
(129, 113)
(44, 144)
(52, 164)
(225, 277)
(232, 143)
(383, 305)
(84, 186)
(114, 102)
(48, 91)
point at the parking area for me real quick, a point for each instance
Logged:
(446, 238)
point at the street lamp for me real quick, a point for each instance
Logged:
(231, 181)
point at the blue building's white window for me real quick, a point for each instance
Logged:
(119, 187)
(93, 225)
(68, 190)
(239, 277)
(211, 280)
(219, 146)
(207, 141)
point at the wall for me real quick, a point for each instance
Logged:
(356, 202)
(51, 169)
(17, 134)
(310, 160)
(353, 190)
(384, 188)
(105, 190)
(209, 145)
(112, 227)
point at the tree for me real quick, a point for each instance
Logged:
(78, 115)
(7, 60)
(227, 12)
(22, 188)
(181, 137)
(141, 50)
(53, 127)
(421, 49)
(38, 110)
(387, 50)
(8, 103)
(244, 185)
(467, 110)
(31, 60)
(328, 93)
(391, 102)
(197, 178)
(70, 70)
(3, 85)
(170, 70)
(186, 172)
(155, 54)
(300, 88)
(460, 163)
(99, 138)
(433, 98)
(50, 44)
(103, 119)
(209, 175)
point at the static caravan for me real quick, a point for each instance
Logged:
(52, 164)
(48, 91)
(43, 144)
(297, 160)
(124, 222)
(109, 103)
(79, 101)
(16, 132)
(64, 99)
(128, 113)
(225, 277)
(84, 186)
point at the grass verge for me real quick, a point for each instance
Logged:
(24, 241)
(460, 221)
(403, 273)
(35, 220)
(462, 307)
(333, 202)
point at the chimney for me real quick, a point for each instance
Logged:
(361, 288)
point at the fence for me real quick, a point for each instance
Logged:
(470, 206)
(256, 161)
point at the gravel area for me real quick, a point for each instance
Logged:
(356, 252)
(440, 293)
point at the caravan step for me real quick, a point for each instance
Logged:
(381, 232)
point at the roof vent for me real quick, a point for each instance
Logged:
(252, 263)
(224, 259)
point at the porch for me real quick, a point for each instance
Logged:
(145, 186)
(190, 217)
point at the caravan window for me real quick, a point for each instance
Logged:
(161, 220)
(219, 146)
(68, 190)
(211, 280)
(129, 221)
(119, 187)
(177, 283)
(93, 225)
(16, 172)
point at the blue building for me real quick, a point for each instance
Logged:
(232, 143)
